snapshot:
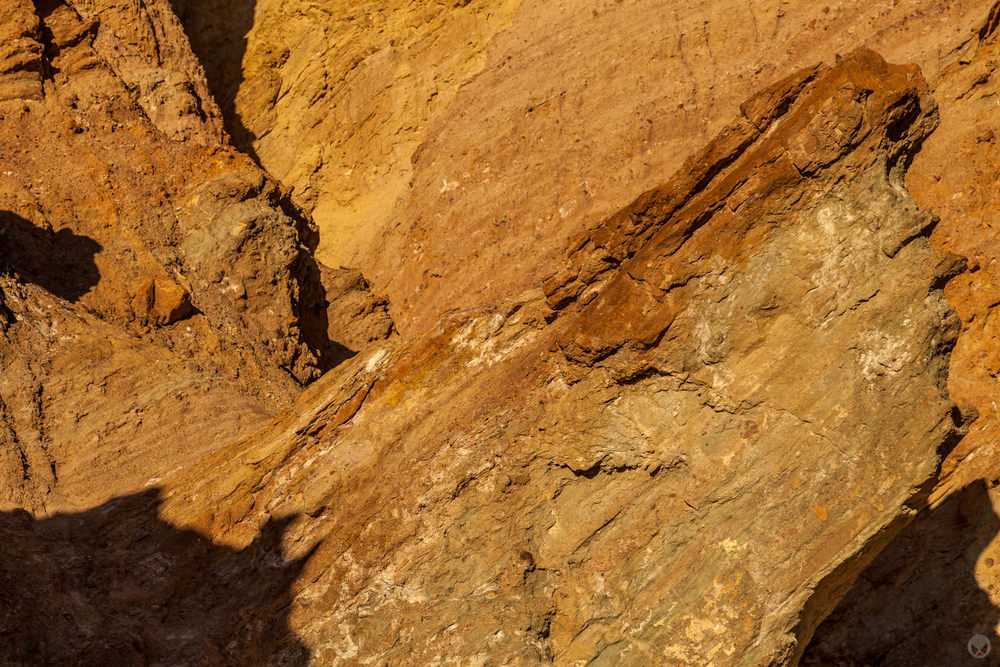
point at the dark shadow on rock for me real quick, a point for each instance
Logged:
(314, 321)
(217, 31)
(115, 585)
(918, 602)
(61, 262)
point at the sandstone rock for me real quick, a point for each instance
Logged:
(356, 318)
(20, 53)
(95, 197)
(145, 45)
(686, 462)
(937, 586)
(365, 79)
(438, 143)
(163, 301)
(671, 431)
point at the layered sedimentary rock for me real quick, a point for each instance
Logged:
(938, 585)
(671, 431)
(160, 293)
(598, 472)
(573, 109)
(144, 43)
(22, 53)
(335, 97)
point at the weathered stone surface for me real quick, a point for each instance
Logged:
(145, 45)
(670, 431)
(938, 585)
(687, 462)
(438, 143)
(356, 318)
(20, 53)
(335, 97)
(95, 201)
(162, 300)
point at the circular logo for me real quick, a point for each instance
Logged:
(979, 646)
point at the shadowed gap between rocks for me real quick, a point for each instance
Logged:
(217, 31)
(116, 585)
(60, 262)
(918, 603)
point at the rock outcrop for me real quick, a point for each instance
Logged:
(21, 68)
(144, 43)
(335, 97)
(938, 585)
(599, 472)
(160, 289)
(541, 420)
(436, 143)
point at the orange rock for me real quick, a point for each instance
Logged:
(672, 431)
(163, 301)
(657, 439)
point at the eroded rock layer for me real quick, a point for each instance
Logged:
(160, 293)
(555, 427)
(938, 585)
(596, 473)
(437, 143)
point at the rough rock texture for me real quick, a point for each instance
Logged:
(162, 301)
(102, 388)
(21, 53)
(334, 97)
(596, 473)
(356, 318)
(573, 109)
(935, 588)
(143, 42)
(955, 175)
(689, 429)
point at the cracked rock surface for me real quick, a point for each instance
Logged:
(615, 361)
(598, 472)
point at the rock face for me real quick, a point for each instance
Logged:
(159, 287)
(942, 572)
(21, 73)
(523, 416)
(438, 142)
(144, 43)
(356, 318)
(596, 473)
(335, 97)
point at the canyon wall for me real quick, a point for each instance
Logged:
(497, 333)
(159, 288)
(399, 124)
(715, 395)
